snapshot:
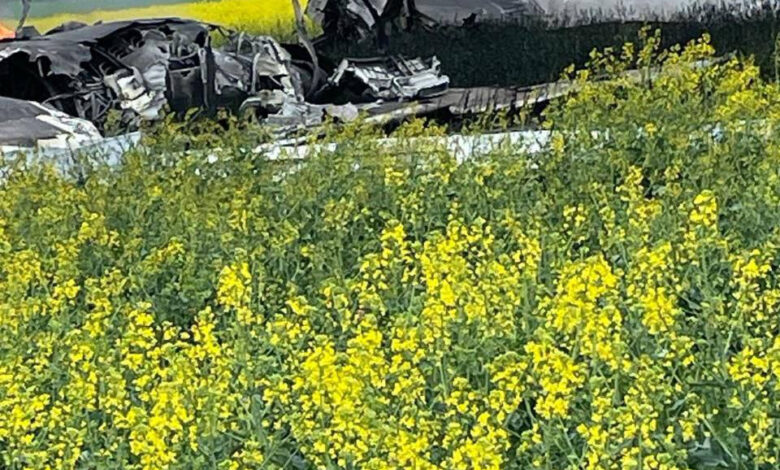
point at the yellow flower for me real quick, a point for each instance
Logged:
(447, 294)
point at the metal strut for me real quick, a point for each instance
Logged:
(23, 19)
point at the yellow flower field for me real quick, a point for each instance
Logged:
(612, 302)
(263, 16)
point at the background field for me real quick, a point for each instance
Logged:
(43, 8)
(267, 16)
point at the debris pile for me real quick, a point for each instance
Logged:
(138, 68)
(132, 72)
(391, 78)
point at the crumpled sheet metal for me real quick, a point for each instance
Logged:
(67, 51)
(65, 57)
(393, 78)
(83, 70)
(270, 65)
(358, 15)
(135, 94)
(26, 124)
(140, 67)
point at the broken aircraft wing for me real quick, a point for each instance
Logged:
(25, 124)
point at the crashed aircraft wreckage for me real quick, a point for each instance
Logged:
(81, 74)
(138, 69)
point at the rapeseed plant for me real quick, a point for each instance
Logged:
(612, 305)
(259, 17)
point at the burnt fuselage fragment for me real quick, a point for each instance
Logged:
(86, 71)
(138, 68)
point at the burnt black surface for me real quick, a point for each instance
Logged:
(137, 68)
(65, 67)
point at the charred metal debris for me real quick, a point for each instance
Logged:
(360, 19)
(138, 69)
